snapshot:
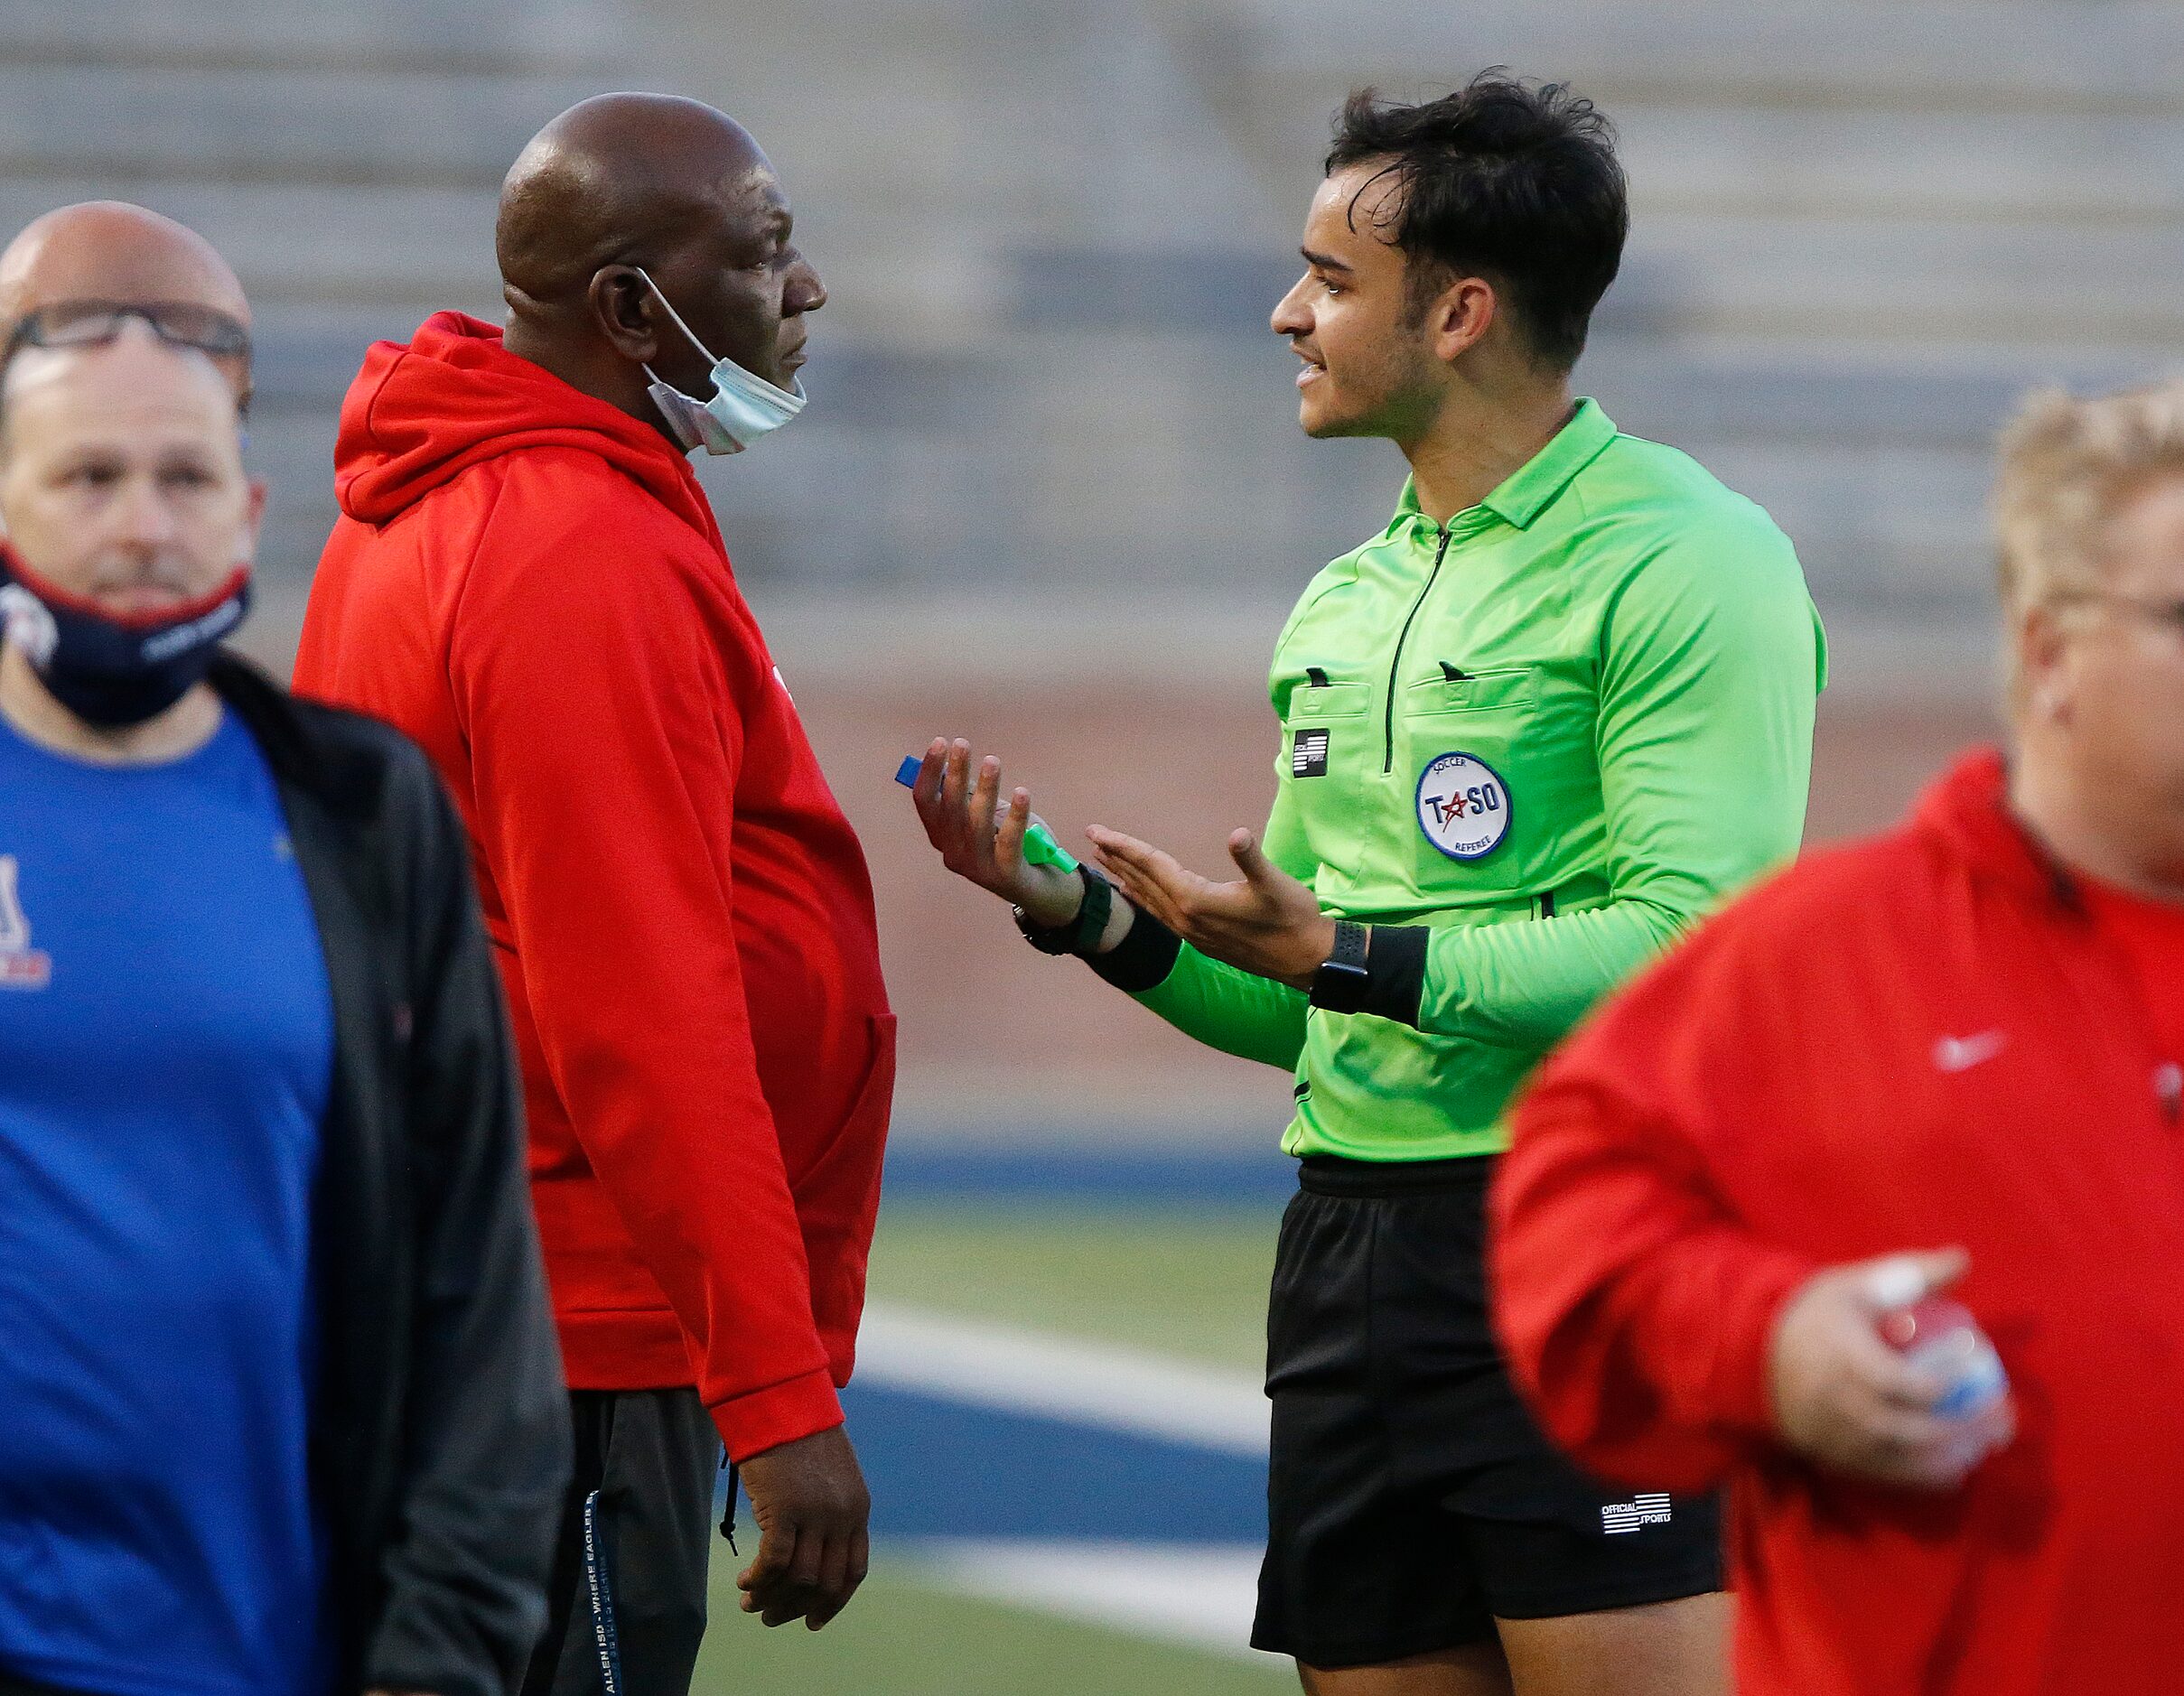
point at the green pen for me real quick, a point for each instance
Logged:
(1038, 844)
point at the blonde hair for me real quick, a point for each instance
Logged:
(2066, 467)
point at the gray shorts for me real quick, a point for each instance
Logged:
(628, 1584)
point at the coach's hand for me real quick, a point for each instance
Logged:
(1843, 1398)
(809, 1499)
(981, 837)
(1264, 922)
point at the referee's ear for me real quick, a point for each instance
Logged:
(1460, 317)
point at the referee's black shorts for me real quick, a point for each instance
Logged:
(1412, 1500)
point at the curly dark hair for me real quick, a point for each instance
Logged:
(1513, 181)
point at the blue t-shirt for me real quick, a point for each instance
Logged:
(166, 1050)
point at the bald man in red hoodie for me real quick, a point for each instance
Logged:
(528, 579)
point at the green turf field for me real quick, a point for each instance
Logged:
(902, 1638)
(1181, 1281)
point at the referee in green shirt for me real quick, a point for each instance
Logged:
(1557, 710)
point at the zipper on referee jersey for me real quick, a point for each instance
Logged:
(1394, 667)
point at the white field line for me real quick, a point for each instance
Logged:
(1198, 1594)
(1020, 1371)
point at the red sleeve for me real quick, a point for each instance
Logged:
(1635, 1314)
(1634, 1301)
(605, 772)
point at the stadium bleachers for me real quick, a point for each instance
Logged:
(344, 158)
(1053, 235)
(1861, 230)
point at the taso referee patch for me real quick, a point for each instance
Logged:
(1308, 754)
(1463, 806)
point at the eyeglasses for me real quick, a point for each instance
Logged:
(94, 323)
(2168, 613)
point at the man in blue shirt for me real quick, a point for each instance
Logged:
(282, 1412)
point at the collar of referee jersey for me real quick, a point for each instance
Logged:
(1531, 489)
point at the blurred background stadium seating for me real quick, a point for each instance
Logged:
(1049, 491)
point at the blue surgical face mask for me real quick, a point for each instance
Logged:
(742, 408)
(108, 669)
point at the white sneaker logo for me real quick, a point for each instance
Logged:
(1617, 1518)
(1961, 1053)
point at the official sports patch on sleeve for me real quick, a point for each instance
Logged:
(1308, 754)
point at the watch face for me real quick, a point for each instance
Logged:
(1340, 986)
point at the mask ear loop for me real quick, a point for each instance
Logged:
(658, 296)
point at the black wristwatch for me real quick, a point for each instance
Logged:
(1081, 934)
(1340, 983)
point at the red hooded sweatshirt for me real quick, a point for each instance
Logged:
(1931, 1038)
(530, 583)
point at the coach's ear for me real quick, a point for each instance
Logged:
(2041, 685)
(621, 307)
(254, 513)
(1459, 318)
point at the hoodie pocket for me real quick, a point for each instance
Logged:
(838, 1199)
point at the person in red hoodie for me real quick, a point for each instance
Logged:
(525, 578)
(1951, 1056)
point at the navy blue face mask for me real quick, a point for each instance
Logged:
(116, 669)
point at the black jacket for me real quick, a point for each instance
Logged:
(441, 1442)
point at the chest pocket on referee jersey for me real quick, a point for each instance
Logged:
(1325, 732)
(1459, 742)
(1459, 691)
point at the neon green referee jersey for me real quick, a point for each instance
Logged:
(1529, 747)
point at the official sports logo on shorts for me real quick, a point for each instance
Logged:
(22, 966)
(1463, 807)
(1617, 1518)
(1308, 754)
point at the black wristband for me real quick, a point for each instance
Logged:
(1081, 934)
(1398, 974)
(1142, 959)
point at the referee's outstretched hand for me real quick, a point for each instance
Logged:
(1846, 1400)
(811, 1506)
(1265, 922)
